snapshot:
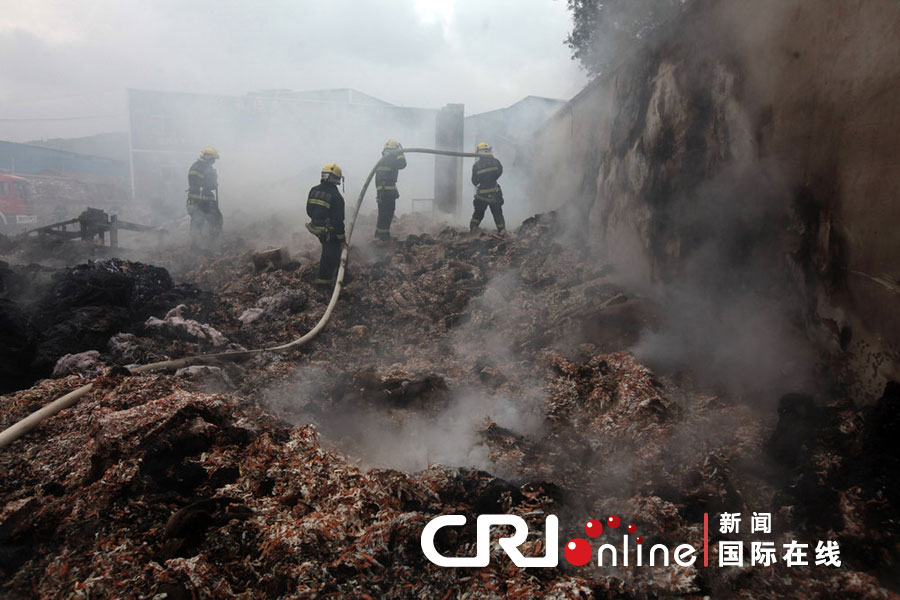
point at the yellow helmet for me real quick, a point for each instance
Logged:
(391, 145)
(209, 153)
(483, 148)
(332, 172)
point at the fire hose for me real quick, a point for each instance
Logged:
(19, 429)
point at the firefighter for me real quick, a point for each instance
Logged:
(386, 192)
(203, 199)
(325, 207)
(485, 173)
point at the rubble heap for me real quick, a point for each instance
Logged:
(264, 478)
(54, 312)
(149, 487)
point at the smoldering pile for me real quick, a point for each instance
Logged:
(150, 487)
(188, 485)
(48, 313)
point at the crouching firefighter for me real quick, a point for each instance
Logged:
(485, 173)
(325, 207)
(203, 199)
(386, 193)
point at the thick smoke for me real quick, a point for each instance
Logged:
(728, 315)
(445, 428)
(272, 150)
(664, 178)
(405, 437)
(273, 146)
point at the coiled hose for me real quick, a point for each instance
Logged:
(17, 430)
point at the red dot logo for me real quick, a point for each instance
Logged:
(613, 522)
(639, 540)
(578, 552)
(631, 528)
(593, 528)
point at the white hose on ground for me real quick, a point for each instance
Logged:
(17, 430)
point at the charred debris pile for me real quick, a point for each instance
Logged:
(47, 313)
(264, 478)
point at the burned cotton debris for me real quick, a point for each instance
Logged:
(213, 483)
(54, 312)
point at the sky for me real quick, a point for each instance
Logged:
(66, 65)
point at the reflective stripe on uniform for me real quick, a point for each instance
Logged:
(340, 236)
(322, 281)
(193, 172)
(382, 188)
(318, 202)
(201, 198)
(317, 230)
(485, 170)
(380, 230)
(489, 190)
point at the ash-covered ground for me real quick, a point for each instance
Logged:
(459, 374)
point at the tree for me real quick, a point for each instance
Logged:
(605, 29)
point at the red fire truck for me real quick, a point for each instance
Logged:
(16, 210)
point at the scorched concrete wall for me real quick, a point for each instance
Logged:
(759, 141)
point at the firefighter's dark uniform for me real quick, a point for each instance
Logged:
(202, 202)
(485, 173)
(325, 207)
(386, 193)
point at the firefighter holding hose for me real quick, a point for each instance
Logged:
(325, 207)
(386, 193)
(203, 199)
(485, 173)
